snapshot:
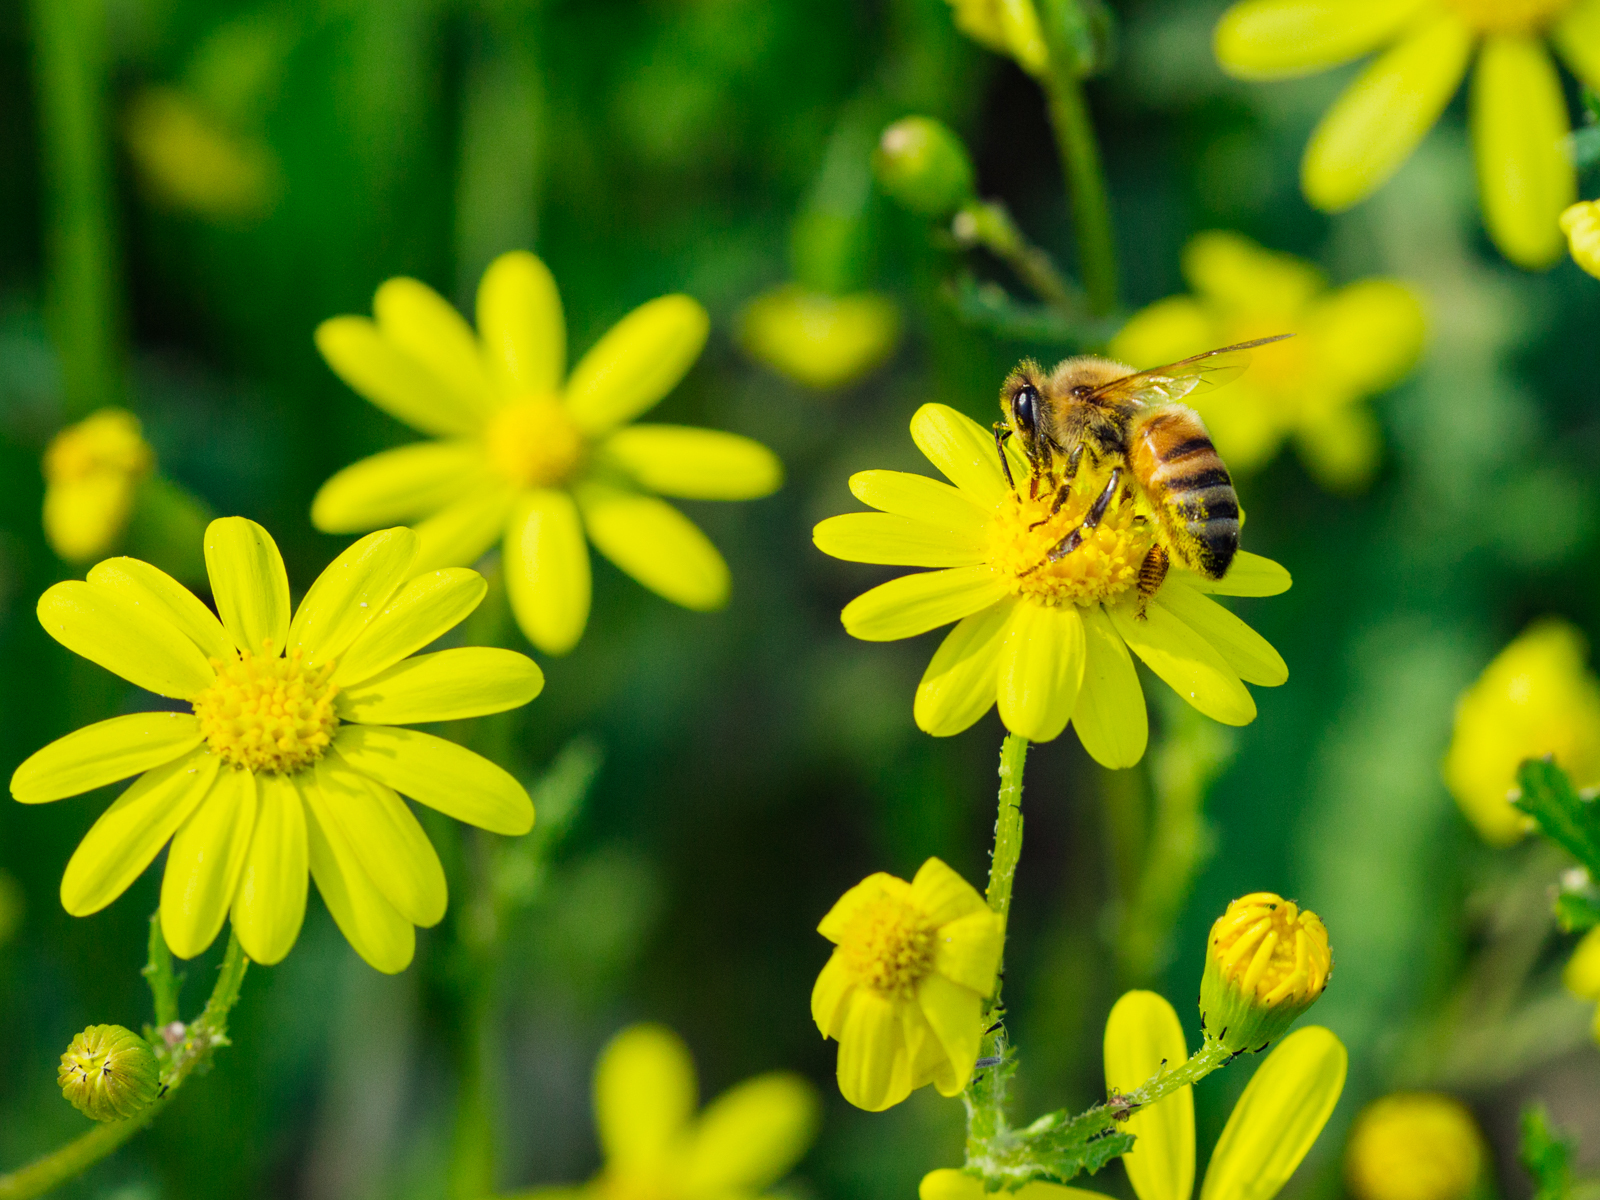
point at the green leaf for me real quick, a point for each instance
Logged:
(1569, 820)
(1576, 911)
(1547, 1153)
(1058, 1147)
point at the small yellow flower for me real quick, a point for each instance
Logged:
(1414, 1146)
(291, 758)
(654, 1146)
(1582, 974)
(1537, 697)
(819, 340)
(1349, 344)
(1581, 224)
(190, 161)
(1048, 641)
(525, 457)
(1518, 111)
(903, 991)
(1267, 961)
(92, 473)
(108, 1073)
(1009, 27)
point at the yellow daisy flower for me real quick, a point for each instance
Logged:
(1349, 344)
(1581, 224)
(1048, 641)
(903, 991)
(1518, 113)
(291, 758)
(1414, 1146)
(655, 1148)
(1537, 697)
(526, 458)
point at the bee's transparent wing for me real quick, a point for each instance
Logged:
(1173, 382)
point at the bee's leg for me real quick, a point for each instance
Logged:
(1065, 489)
(1000, 435)
(1091, 519)
(1151, 572)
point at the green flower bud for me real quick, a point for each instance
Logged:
(109, 1073)
(1266, 963)
(923, 165)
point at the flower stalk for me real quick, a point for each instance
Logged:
(1086, 184)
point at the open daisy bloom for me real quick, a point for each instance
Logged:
(1349, 343)
(529, 460)
(1518, 111)
(291, 758)
(656, 1148)
(1048, 641)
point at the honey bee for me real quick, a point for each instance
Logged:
(1133, 421)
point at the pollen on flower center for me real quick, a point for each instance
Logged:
(1510, 16)
(533, 442)
(888, 945)
(1271, 950)
(1105, 564)
(267, 712)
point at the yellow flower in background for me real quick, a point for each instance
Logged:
(1048, 642)
(1009, 27)
(92, 473)
(188, 160)
(903, 991)
(1581, 224)
(1582, 974)
(1518, 111)
(1349, 343)
(291, 758)
(1537, 697)
(527, 459)
(656, 1148)
(819, 340)
(1414, 1146)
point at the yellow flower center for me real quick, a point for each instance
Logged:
(533, 442)
(1102, 566)
(888, 945)
(267, 712)
(108, 441)
(1510, 16)
(1271, 950)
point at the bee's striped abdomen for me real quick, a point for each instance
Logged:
(1186, 480)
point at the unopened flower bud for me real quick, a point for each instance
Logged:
(1581, 224)
(924, 166)
(109, 1073)
(1266, 963)
(1414, 1146)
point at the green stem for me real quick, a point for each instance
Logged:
(473, 1149)
(1086, 185)
(987, 223)
(164, 982)
(1008, 825)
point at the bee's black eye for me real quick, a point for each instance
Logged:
(1025, 408)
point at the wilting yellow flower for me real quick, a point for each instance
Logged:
(1414, 1146)
(1048, 641)
(903, 991)
(1518, 112)
(819, 340)
(525, 457)
(92, 473)
(1349, 343)
(1581, 224)
(1537, 697)
(1009, 27)
(1267, 961)
(1582, 973)
(291, 758)
(655, 1148)
(189, 160)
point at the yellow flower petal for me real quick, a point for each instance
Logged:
(1581, 223)
(85, 517)
(1519, 131)
(1110, 715)
(469, 681)
(1375, 125)
(1186, 662)
(967, 951)
(897, 541)
(378, 370)
(962, 449)
(1340, 447)
(1242, 648)
(1581, 976)
(955, 1014)
(427, 328)
(1164, 332)
(1279, 39)
(1368, 335)
(1143, 1036)
(960, 683)
(129, 834)
(750, 1136)
(941, 895)
(1278, 1118)
(350, 592)
(657, 545)
(1577, 37)
(161, 595)
(644, 1099)
(914, 604)
(697, 464)
(424, 609)
(248, 582)
(103, 753)
(125, 638)
(924, 499)
(270, 901)
(874, 1068)
(461, 534)
(1237, 275)
(398, 485)
(639, 360)
(875, 886)
(368, 921)
(1040, 670)
(520, 323)
(948, 1183)
(204, 864)
(546, 565)
(1249, 575)
(440, 774)
(829, 994)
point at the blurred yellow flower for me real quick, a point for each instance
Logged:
(190, 161)
(1046, 641)
(92, 472)
(903, 991)
(819, 340)
(1414, 1146)
(1009, 27)
(1537, 697)
(1350, 343)
(525, 457)
(655, 1148)
(1581, 224)
(1518, 111)
(1582, 974)
(1267, 961)
(290, 759)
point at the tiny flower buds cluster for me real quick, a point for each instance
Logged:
(924, 166)
(109, 1073)
(1266, 963)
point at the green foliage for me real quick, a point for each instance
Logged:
(1570, 820)
(1546, 1153)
